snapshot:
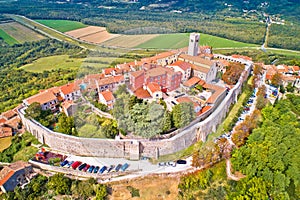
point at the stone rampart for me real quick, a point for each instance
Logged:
(126, 148)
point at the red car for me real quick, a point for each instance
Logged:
(76, 164)
(86, 168)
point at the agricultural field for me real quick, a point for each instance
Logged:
(93, 34)
(53, 62)
(7, 38)
(62, 25)
(129, 41)
(20, 33)
(5, 143)
(179, 40)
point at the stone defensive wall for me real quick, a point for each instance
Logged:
(133, 149)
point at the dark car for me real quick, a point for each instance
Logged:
(82, 166)
(64, 163)
(86, 168)
(118, 167)
(110, 168)
(102, 169)
(91, 169)
(96, 169)
(182, 162)
(246, 108)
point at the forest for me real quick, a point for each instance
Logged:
(216, 19)
(269, 160)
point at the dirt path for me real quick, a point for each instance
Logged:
(230, 175)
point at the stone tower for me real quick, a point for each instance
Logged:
(193, 44)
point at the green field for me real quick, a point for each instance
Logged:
(53, 62)
(7, 38)
(62, 25)
(179, 40)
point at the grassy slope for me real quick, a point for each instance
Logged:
(53, 62)
(179, 40)
(62, 25)
(5, 143)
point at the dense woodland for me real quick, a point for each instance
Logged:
(269, 160)
(212, 17)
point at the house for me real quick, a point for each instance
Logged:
(70, 91)
(107, 98)
(154, 90)
(109, 83)
(46, 99)
(184, 67)
(163, 59)
(6, 132)
(9, 114)
(69, 107)
(136, 79)
(192, 82)
(202, 68)
(15, 174)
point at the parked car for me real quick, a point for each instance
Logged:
(76, 164)
(246, 108)
(91, 168)
(110, 168)
(161, 164)
(69, 164)
(172, 163)
(118, 167)
(124, 167)
(86, 168)
(64, 163)
(181, 162)
(96, 169)
(101, 171)
(81, 166)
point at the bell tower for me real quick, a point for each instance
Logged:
(193, 44)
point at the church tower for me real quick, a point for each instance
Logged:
(193, 44)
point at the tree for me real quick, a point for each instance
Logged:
(122, 89)
(183, 114)
(167, 121)
(34, 111)
(60, 184)
(66, 125)
(276, 79)
(110, 128)
(101, 192)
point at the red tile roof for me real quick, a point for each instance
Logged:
(296, 68)
(159, 56)
(107, 95)
(8, 171)
(6, 176)
(137, 73)
(69, 88)
(183, 65)
(142, 94)
(153, 87)
(9, 114)
(217, 91)
(242, 57)
(192, 81)
(5, 132)
(108, 71)
(197, 60)
(42, 98)
(67, 104)
(2, 121)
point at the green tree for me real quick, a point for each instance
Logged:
(110, 128)
(167, 121)
(66, 125)
(101, 192)
(183, 114)
(59, 184)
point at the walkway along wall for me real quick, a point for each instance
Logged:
(197, 130)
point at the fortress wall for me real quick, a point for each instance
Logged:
(124, 148)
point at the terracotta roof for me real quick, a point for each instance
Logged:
(137, 73)
(107, 95)
(142, 94)
(67, 104)
(41, 98)
(153, 87)
(288, 78)
(69, 88)
(217, 91)
(2, 120)
(14, 122)
(200, 68)
(94, 76)
(55, 90)
(159, 56)
(8, 171)
(183, 65)
(296, 68)
(197, 60)
(192, 81)
(5, 132)
(118, 78)
(156, 71)
(108, 71)
(242, 57)
(9, 114)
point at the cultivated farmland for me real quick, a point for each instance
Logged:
(129, 41)
(93, 34)
(7, 38)
(179, 40)
(20, 33)
(62, 25)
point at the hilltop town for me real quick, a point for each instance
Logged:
(192, 81)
